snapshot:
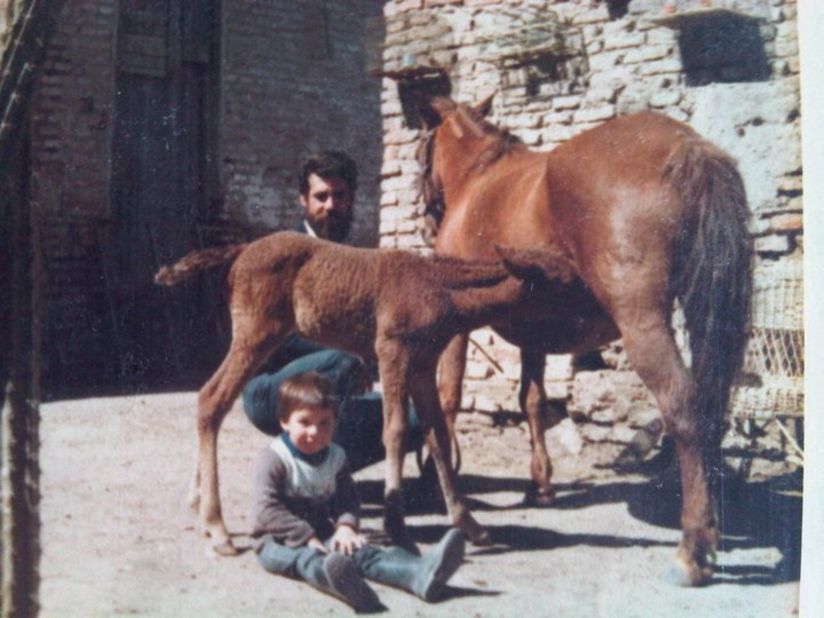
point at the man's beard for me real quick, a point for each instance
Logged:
(333, 225)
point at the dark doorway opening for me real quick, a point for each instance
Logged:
(722, 47)
(164, 186)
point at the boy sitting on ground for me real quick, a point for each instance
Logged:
(305, 510)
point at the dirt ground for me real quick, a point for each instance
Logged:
(118, 538)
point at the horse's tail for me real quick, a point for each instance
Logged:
(712, 273)
(197, 261)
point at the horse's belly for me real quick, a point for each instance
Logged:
(559, 335)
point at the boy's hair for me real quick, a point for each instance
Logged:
(328, 164)
(305, 390)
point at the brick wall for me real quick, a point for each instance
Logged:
(293, 83)
(618, 58)
(292, 80)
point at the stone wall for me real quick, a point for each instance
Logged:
(728, 68)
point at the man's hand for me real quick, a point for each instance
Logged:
(346, 540)
(316, 544)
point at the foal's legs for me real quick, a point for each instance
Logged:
(653, 353)
(451, 371)
(422, 385)
(251, 343)
(533, 400)
(393, 366)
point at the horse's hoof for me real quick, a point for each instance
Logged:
(685, 576)
(539, 497)
(225, 549)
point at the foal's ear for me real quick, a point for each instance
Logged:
(484, 107)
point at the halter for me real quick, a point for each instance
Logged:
(432, 196)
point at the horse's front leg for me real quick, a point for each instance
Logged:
(533, 400)
(423, 388)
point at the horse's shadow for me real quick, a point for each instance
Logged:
(752, 515)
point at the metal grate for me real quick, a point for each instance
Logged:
(772, 382)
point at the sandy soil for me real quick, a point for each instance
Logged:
(118, 538)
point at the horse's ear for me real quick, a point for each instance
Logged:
(483, 108)
(433, 110)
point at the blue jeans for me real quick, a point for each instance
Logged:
(359, 424)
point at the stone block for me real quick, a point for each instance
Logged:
(605, 94)
(790, 222)
(774, 243)
(647, 53)
(664, 98)
(604, 61)
(555, 118)
(567, 102)
(591, 16)
(658, 67)
(559, 132)
(624, 40)
(594, 114)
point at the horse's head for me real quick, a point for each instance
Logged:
(442, 115)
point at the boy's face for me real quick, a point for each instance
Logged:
(310, 429)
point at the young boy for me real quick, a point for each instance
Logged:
(305, 510)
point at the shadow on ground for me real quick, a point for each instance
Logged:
(754, 514)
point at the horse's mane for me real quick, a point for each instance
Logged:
(503, 141)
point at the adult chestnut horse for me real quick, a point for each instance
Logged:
(648, 212)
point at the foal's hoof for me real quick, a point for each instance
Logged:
(536, 496)
(481, 538)
(475, 532)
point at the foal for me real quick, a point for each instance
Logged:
(396, 307)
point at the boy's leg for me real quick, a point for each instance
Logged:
(424, 576)
(260, 394)
(332, 573)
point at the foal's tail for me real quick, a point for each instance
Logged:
(197, 261)
(712, 275)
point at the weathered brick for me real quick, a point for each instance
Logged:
(773, 243)
(665, 98)
(791, 222)
(567, 102)
(594, 114)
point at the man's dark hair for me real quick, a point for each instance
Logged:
(305, 390)
(328, 164)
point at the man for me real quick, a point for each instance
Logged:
(327, 183)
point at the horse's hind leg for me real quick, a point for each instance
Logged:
(651, 349)
(533, 400)
(251, 343)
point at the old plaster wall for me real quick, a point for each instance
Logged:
(290, 80)
(728, 68)
(295, 82)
